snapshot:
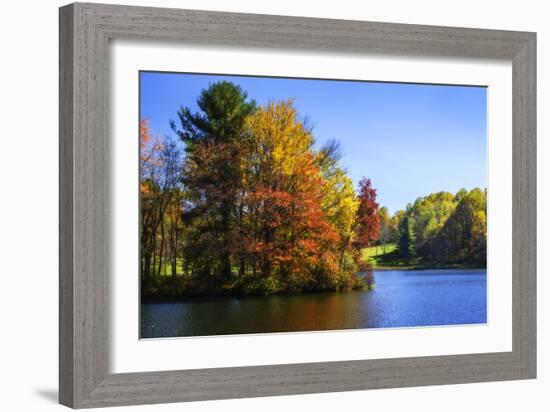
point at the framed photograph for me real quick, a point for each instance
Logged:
(257, 205)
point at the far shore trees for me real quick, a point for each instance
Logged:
(443, 229)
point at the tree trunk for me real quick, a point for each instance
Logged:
(161, 251)
(174, 252)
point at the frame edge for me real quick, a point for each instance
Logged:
(524, 68)
(66, 211)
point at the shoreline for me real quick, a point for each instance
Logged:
(158, 298)
(425, 267)
(168, 298)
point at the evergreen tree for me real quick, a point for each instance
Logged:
(212, 169)
(407, 238)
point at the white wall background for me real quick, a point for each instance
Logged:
(29, 192)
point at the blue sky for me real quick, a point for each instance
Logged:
(410, 139)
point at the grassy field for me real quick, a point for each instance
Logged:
(375, 252)
(166, 268)
(385, 256)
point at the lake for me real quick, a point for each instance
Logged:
(401, 298)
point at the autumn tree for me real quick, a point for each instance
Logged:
(160, 176)
(339, 201)
(289, 236)
(149, 148)
(367, 223)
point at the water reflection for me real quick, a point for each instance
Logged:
(401, 298)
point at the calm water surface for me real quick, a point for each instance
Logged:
(401, 298)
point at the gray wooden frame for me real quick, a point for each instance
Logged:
(85, 31)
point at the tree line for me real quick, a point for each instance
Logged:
(240, 201)
(440, 229)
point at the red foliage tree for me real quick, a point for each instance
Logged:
(368, 220)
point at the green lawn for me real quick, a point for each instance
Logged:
(374, 252)
(387, 255)
(166, 268)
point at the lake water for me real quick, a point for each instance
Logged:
(400, 299)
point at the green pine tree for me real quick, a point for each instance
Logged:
(407, 239)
